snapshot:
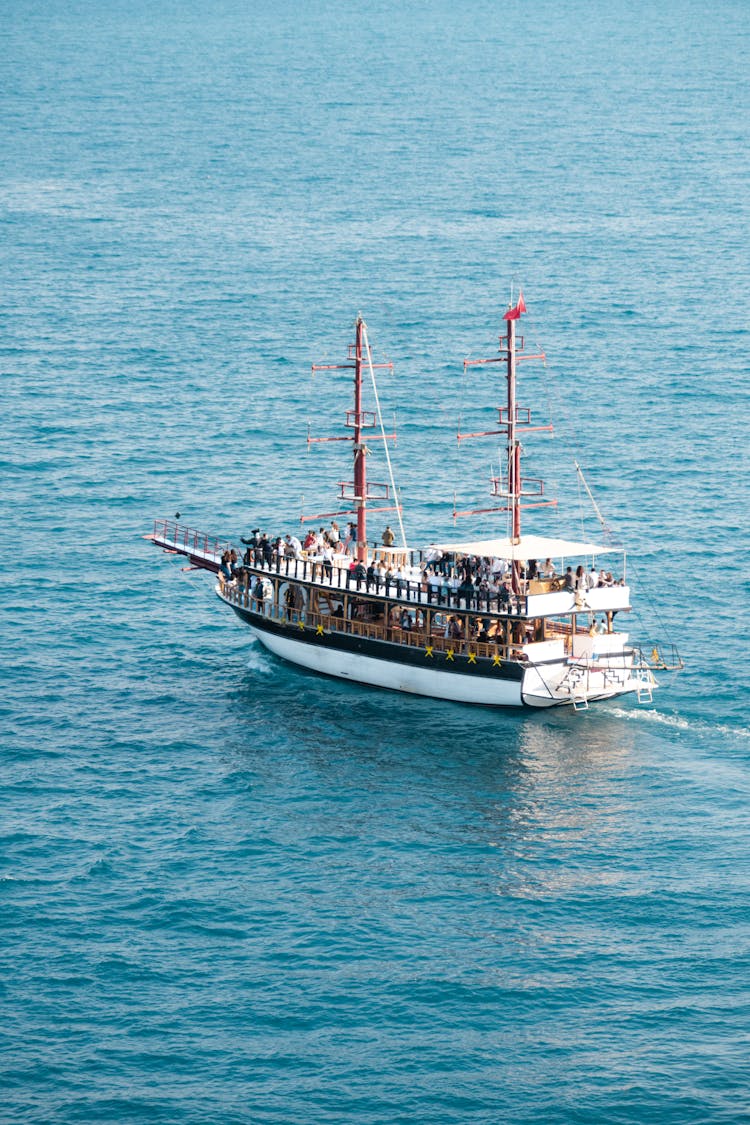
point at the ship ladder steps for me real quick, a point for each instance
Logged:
(571, 685)
(645, 689)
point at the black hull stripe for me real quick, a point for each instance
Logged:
(384, 650)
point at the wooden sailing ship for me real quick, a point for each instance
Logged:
(522, 620)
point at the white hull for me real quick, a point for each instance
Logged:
(533, 691)
(397, 677)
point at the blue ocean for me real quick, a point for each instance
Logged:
(235, 892)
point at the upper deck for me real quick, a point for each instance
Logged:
(405, 576)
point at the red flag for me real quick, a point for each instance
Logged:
(513, 314)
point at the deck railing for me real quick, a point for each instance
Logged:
(342, 580)
(660, 657)
(189, 540)
(416, 637)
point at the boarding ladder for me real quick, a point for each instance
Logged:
(573, 685)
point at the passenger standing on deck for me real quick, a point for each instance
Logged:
(327, 556)
(388, 537)
(350, 543)
(225, 570)
(290, 600)
(359, 573)
(293, 546)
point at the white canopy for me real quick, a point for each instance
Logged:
(528, 547)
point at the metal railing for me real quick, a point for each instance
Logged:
(189, 540)
(660, 657)
(343, 580)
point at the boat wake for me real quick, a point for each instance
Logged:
(678, 722)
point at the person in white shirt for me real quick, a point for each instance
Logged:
(295, 545)
(499, 569)
(327, 557)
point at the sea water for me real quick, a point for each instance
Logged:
(236, 892)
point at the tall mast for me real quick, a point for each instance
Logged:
(515, 491)
(514, 445)
(360, 450)
(359, 422)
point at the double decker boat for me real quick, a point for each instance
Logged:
(519, 620)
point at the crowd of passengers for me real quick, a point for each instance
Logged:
(469, 582)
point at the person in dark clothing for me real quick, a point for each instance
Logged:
(465, 592)
(225, 570)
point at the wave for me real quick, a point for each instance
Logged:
(258, 660)
(680, 722)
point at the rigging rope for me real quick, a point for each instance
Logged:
(385, 440)
(606, 529)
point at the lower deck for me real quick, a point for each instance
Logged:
(420, 622)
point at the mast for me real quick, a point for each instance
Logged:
(515, 491)
(360, 449)
(513, 445)
(360, 422)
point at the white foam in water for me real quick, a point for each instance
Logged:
(652, 716)
(258, 660)
(677, 722)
